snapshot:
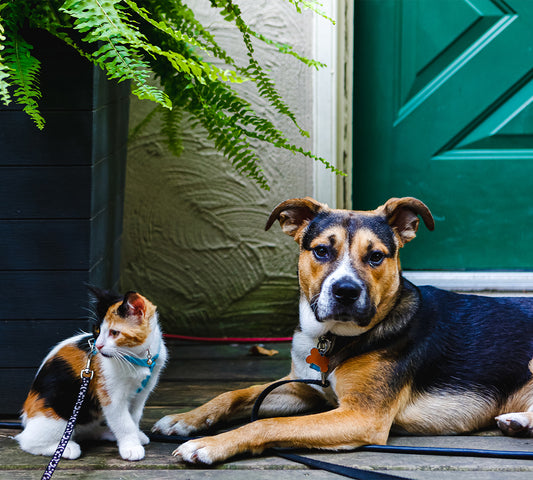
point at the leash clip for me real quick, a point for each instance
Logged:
(87, 372)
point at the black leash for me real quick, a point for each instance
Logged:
(359, 474)
(405, 450)
(350, 472)
(86, 376)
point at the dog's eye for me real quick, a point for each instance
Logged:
(376, 258)
(321, 252)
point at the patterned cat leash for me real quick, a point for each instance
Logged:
(86, 376)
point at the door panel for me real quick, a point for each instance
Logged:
(443, 111)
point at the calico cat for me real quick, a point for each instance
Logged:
(127, 358)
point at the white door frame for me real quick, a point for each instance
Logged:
(332, 102)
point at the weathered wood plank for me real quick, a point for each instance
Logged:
(217, 351)
(245, 369)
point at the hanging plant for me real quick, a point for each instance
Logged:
(145, 39)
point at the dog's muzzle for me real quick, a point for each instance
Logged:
(345, 300)
(346, 292)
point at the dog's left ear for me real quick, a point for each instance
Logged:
(295, 214)
(402, 215)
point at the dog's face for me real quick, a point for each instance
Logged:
(349, 266)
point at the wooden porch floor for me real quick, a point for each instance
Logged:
(196, 373)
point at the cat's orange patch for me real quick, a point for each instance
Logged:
(34, 405)
(77, 359)
(134, 329)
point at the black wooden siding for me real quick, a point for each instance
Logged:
(61, 204)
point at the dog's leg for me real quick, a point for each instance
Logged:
(519, 423)
(342, 428)
(286, 400)
(366, 411)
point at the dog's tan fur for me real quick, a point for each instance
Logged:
(365, 406)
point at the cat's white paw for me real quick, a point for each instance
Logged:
(72, 451)
(143, 438)
(131, 451)
(172, 425)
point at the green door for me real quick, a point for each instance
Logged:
(443, 111)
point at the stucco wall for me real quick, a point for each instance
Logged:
(194, 239)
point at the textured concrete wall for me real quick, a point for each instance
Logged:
(194, 238)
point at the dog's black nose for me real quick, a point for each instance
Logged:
(346, 291)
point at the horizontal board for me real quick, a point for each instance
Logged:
(65, 140)
(60, 295)
(67, 80)
(45, 244)
(243, 369)
(15, 383)
(69, 138)
(45, 192)
(26, 343)
(110, 129)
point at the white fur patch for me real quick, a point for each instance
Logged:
(326, 300)
(41, 436)
(446, 413)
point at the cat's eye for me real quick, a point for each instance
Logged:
(97, 330)
(114, 333)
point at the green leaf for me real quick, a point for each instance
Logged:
(5, 98)
(24, 75)
(105, 24)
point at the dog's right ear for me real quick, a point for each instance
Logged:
(295, 214)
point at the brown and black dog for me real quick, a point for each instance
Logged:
(420, 359)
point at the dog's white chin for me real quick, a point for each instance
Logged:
(314, 328)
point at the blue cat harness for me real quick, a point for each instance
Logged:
(148, 362)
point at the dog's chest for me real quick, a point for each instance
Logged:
(302, 345)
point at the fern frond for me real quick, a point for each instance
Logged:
(312, 5)
(287, 49)
(5, 98)
(24, 72)
(171, 130)
(198, 68)
(265, 85)
(102, 22)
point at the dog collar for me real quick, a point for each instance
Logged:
(318, 358)
(148, 362)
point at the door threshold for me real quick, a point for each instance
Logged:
(510, 282)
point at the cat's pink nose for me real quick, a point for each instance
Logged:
(99, 346)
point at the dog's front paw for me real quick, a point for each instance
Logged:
(175, 425)
(203, 450)
(516, 424)
(131, 451)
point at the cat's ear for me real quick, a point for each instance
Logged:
(102, 300)
(133, 305)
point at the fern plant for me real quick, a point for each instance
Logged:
(138, 40)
